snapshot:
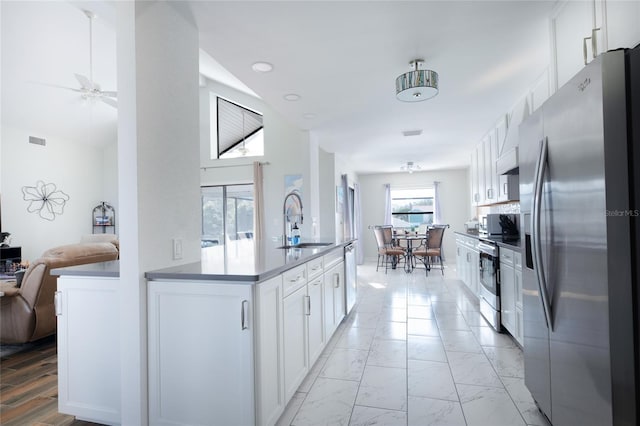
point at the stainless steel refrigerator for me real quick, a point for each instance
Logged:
(579, 161)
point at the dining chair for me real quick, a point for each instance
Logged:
(387, 252)
(432, 248)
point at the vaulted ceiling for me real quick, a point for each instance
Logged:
(340, 57)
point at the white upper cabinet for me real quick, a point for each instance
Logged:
(540, 91)
(581, 30)
(623, 24)
(501, 135)
(473, 171)
(482, 178)
(573, 26)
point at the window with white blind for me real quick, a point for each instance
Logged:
(240, 130)
(413, 207)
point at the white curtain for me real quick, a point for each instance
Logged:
(437, 214)
(358, 225)
(258, 202)
(346, 219)
(387, 204)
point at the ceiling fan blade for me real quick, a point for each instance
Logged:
(109, 94)
(57, 86)
(85, 82)
(110, 101)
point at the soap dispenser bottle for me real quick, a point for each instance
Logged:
(295, 233)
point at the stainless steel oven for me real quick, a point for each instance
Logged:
(489, 284)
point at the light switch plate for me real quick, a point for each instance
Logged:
(177, 249)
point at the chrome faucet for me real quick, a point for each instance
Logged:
(287, 217)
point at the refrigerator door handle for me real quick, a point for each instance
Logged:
(540, 169)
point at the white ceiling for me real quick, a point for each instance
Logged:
(44, 44)
(341, 57)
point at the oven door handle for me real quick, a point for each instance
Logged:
(538, 184)
(486, 248)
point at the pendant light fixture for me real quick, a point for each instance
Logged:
(417, 85)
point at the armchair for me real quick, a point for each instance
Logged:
(27, 312)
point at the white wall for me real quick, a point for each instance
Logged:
(168, 134)
(158, 162)
(78, 169)
(327, 194)
(454, 194)
(110, 178)
(287, 150)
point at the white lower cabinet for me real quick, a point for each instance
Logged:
(511, 292)
(89, 348)
(474, 270)
(315, 322)
(507, 296)
(339, 294)
(201, 353)
(270, 398)
(467, 260)
(334, 303)
(295, 335)
(459, 258)
(234, 354)
(518, 286)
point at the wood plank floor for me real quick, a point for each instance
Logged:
(29, 388)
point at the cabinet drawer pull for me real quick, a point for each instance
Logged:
(336, 284)
(243, 314)
(296, 279)
(57, 301)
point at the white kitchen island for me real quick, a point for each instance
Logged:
(230, 347)
(227, 345)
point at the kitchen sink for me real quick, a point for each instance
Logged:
(305, 245)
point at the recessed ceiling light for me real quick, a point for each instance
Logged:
(291, 97)
(262, 67)
(309, 115)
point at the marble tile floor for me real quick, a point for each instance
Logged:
(415, 352)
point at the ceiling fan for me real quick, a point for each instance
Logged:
(89, 89)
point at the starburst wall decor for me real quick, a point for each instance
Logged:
(45, 200)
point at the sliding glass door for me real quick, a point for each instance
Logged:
(227, 222)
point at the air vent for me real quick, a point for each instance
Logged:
(412, 132)
(37, 141)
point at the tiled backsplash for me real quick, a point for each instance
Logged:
(498, 209)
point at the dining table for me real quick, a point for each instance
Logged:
(410, 238)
